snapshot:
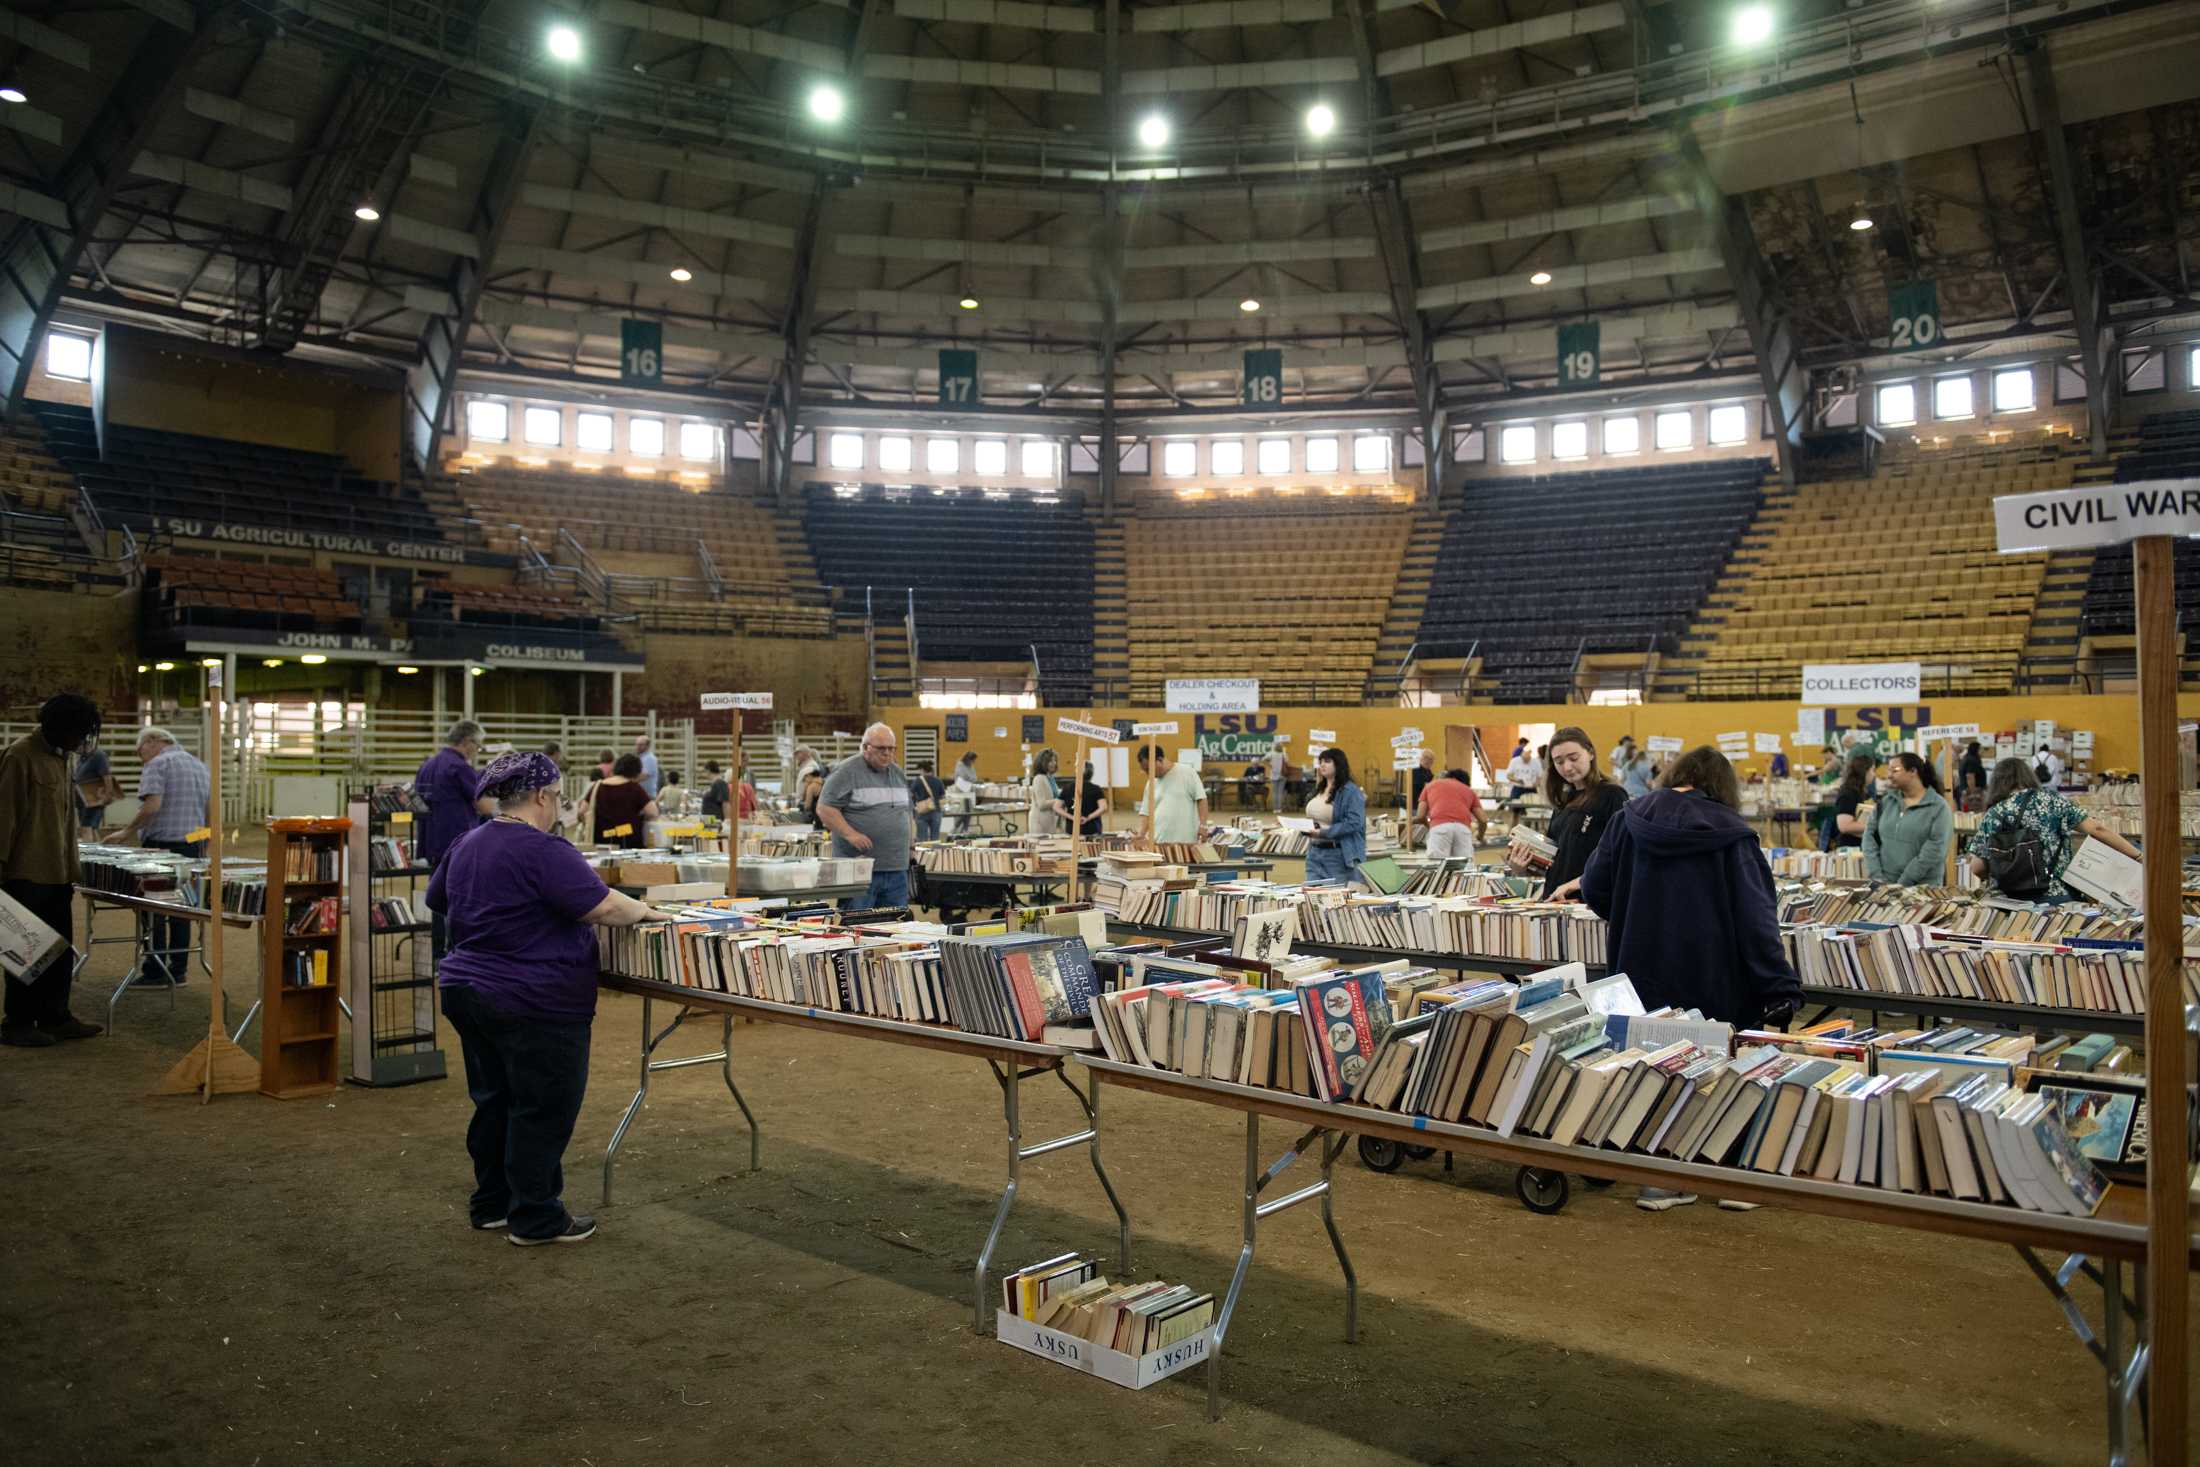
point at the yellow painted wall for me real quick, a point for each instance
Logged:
(1365, 733)
(164, 382)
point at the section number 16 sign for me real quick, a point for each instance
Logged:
(641, 353)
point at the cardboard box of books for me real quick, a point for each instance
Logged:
(1134, 1334)
(1135, 1371)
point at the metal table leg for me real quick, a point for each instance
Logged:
(1011, 1080)
(2123, 1375)
(722, 1057)
(1332, 1144)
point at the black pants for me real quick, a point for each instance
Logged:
(170, 942)
(526, 1076)
(45, 1001)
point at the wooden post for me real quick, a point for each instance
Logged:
(1076, 809)
(1152, 759)
(2168, 1203)
(733, 815)
(215, 1064)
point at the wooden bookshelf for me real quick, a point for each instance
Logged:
(299, 1021)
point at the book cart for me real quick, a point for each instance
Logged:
(391, 972)
(1012, 1062)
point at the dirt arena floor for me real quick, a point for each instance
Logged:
(258, 1282)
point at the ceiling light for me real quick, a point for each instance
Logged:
(1321, 120)
(969, 303)
(1248, 305)
(366, 212)
(1861, 219)
(13, 94)
(1541, 277)
(477, 671)
(406, 669)
(826, 103)
(271, 662)
(142, 667)
(682, 274)
(1153, 132)
(164, 667)
(210, 662)
(1751, 25)
(563, 43)
(313, 659)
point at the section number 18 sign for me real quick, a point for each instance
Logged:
(1264, 378)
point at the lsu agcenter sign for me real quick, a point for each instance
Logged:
(1842, 684)
(2098, 514)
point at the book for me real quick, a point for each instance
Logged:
(1344, 1018)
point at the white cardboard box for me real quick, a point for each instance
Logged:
(2108, 874)
(1135, 1371)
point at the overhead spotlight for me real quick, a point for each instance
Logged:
(1321, 120)
(968, 303)
(826, 102)
(1248, 305)
(1153, 131)
(1861, 219)
(366, 213)
(477, 671)
(313, 659)
(406, 669)
(563, 43)
(210, 662)
(271, 662)
(1541, 277)
(164, 667)
(1752, 25)
(13, 94)
(143, 668)
(682, 274)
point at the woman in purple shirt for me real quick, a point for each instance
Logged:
(519, 987)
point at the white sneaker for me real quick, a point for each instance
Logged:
(1661, 1199)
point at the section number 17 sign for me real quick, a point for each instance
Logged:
(958, 377)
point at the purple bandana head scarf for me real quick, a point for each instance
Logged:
(515, 774)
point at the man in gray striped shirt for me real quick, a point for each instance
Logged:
(865, 804)
(173, 799)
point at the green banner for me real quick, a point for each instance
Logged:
(1580, 354)
(1264, 377)
(1914, 315)
(958, 378)
(641, 353)
(1227, 747)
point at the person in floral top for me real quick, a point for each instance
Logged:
(2015, 797)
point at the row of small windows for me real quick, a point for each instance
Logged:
(490, 421)
(1724, 426)
(1322, 454)
(2012, 391)
(942, 455)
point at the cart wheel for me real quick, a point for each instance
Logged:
(1420, 1153)
(1378, 1155)
(1597, 1184)
(1541, 1191)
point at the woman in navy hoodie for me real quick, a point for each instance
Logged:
(1684, 884)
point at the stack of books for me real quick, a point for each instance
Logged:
(313, 918)
(1912, 959)
(1070, 1296)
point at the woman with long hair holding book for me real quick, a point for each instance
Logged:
(1684, 884)
(1338, 808)
(1045, 794)
(1583, 802)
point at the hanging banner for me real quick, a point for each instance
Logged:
(2099, 514)
(1264, 378)
(958, 378)
(1580, 354)
(1213, 695)
(1913, 312)
(1839, 684)
(641, 354)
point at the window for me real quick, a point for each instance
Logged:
(844, 450)
(1321, 455)
(1570, 440)
(68, 356)
(2192, 371)
(2013, 390)
(2146, 369)
(942, 455)
(1275, 455)
(1676, 429)
(593, 432)
(698, 441)
(1371, 453)
(1951, 397)
(1897, 404)
(1728, 423)
(489, 422)
(1516, 445)
(1180, 458)
(990, 456)
(1226, 456)
(893, 454)
(544, 427)
(1038, 458)
(645, 437)
(1623, 435)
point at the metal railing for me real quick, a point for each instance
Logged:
(716, 582)
(910, 626)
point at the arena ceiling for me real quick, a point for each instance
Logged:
(204, 166)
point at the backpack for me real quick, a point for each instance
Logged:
(2016, 860)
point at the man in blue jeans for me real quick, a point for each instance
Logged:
(865, 804)
(174, 804)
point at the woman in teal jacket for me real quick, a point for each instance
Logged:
(1907, 840)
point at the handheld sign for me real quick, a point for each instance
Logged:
(1149, 730)
(1410, 739)
(619, 830)
(1322, 735)
(720, 702)
(1099, 733)
(1406, 761)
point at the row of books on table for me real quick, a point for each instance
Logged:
(1947, 909)
(1001, 856)
(1913, 959)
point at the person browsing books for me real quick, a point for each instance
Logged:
(1971, 779)
(1338, 808)
(1582, 802)
(1906, 842)
(650, 777)
(1045, 794)
(1520, 773)
(926, 791)
(1684, 884)
(1453, 814)
(1177, 810)
(175, 797)
(519, 987)
(1844, 828)
(622, 806)
(39, 868)
(2028, 834)
(1091, 799)
(865, 804)
(1424, 770)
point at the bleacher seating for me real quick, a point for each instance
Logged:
(993, 577)
(189, 588)
(148, 472)
(1536, 572)
(2167, 446)
(1295, 598)
(31, 479)
(510, 606)
(648, 528)
(1900, 565)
